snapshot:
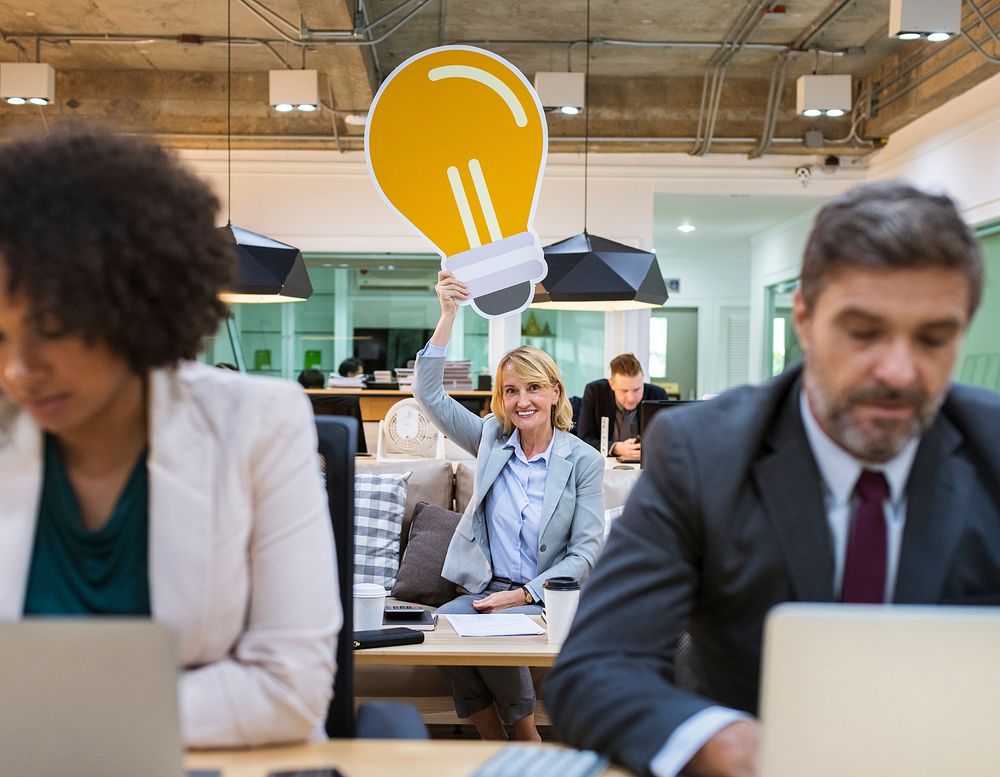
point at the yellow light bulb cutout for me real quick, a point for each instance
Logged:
(456, 144)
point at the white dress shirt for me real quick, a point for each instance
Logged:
(840, 472)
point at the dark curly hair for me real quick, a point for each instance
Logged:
(108, 238)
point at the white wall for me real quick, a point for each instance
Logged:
(955, 148)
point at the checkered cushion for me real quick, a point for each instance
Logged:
(379, 501)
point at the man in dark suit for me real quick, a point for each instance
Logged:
(617, 399)
(750, 498)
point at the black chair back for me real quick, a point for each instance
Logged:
(338, 436)
(341, 404)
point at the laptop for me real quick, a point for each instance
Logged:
(871, 691)
(88, 697)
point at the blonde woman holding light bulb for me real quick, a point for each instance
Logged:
(536, 511)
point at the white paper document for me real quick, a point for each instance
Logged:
(492, 625)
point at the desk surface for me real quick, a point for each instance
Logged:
(358, 758)
(362, 392)
(443, 647)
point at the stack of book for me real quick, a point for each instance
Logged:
(382, 379)
(404, 377)
(458, 375)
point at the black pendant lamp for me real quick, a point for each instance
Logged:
(587, 272)
(265, 270)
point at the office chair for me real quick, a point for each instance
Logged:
(338, 436)
(339, 404)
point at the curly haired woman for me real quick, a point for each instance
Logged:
(136, 482)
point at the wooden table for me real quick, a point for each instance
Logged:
(358, 758)
(443, 647)
(375, 403)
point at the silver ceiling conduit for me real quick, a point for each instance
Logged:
(777, 87)
(711, 91)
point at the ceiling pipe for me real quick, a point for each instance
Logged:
(776, 91)
(711, 92)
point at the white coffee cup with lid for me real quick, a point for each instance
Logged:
(562, 594)
(369, 605)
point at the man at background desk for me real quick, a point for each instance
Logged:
(617, 399)
(751, 499)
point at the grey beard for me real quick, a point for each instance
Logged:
(888, 438)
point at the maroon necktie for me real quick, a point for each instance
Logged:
(864, 567)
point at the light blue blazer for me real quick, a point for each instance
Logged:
(571, 532)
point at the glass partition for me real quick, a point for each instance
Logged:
(978, 361)
(380, 308)
(575, 339)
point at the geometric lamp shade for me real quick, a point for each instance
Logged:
(587, 272)
(266, 270)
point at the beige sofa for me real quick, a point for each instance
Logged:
(447, 484)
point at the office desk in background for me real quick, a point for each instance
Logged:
(359, 758)
(443, 647)
(375, 403)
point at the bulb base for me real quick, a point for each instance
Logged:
(490, 268)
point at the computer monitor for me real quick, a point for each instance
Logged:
(651, 407)
(338, 436)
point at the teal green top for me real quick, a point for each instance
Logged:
(76, 571)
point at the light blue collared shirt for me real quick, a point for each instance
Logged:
(840, 472)
(514, 513)
(514, 506)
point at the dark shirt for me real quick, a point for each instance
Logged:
(599, 402)
(76, 571)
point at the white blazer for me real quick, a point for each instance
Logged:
(241, 560)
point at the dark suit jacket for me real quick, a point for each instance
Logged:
(599, 402)
(728, 520)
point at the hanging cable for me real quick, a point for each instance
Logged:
(586, 123)
(229, 112)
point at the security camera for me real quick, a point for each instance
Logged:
(803, 174)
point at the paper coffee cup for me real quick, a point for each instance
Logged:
(562, 594)
(369, 604)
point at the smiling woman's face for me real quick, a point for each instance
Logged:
(67, 385)
(528, 404)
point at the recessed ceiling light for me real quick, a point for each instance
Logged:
(812, 113)
(835, 113)
(306, 107)
(356, 119)
(937, 37)
(283, 107)
(908, 36)
(327, 264)
(570, 110)
(686, 228)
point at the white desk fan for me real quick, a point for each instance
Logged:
(406, 433)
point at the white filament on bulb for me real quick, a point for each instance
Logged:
(487, 79)
(485, 201)
(458, 191)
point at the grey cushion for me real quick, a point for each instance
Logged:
(431, 481)
(419, 579)
(378, 518)
(618, 484)
(465, 484)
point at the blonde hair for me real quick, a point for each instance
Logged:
(532, 365)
